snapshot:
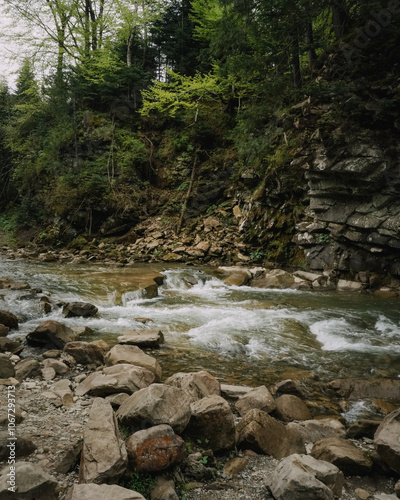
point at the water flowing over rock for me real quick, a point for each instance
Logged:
(32, 483)
(196, 384)
(52, 335)
(262, 433)
(79, 309)
(155, 449)
(129, 354)
(116, 379)
(344, 454)
(212, 423)
(8, 319)
(101, 492)
(301, 477)
(155, 405)
(104, 456)
(259, 398)
(387, 441)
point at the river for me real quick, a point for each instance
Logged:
(239, 334)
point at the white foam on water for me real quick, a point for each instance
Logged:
(387, 328)
(357, 410)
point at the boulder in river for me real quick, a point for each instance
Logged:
(301, 477)
(145, 339)
(154, 405)
(51, 334)
(8, 319)
(130, 354)
(79, 309)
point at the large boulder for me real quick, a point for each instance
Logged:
(354, 389)
(262, 433)
(155, 449)
(197, 385)
(104, 457)
(301, 477)
(115, 379)
(290, 407)
(101, 492)
(277, 278)
(86, 353)
(312, 431)
(30, 481)
(6, 367)
(132, 355)
(145, 339)
(52, 335)
(27, 368)
(212, 423)
(79, 309)
(363, 428)
(387, 441)
(155, 405)
(344, 454)
(259, 398)
(8, 319)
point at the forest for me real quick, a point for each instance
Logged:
(116, 102)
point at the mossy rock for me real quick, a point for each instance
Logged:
(78, 242)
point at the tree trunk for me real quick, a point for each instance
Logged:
(295, 62)
(339, 18)
(311, 54)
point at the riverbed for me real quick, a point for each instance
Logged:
(239, 334)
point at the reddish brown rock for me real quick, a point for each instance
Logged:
(155, 449)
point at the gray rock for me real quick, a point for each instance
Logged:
(85, 353)
(155, 449)
(51, 334)
(25, 446)
(27, 368)
(145, 339)
(155, 405)
(70, 458)
(31, 482)
(290, 407)
(101, 492)
(212, 423)
(79, 309)
(104, 457)
(196, 384)
(8, 319)
(234, 391)
(115, 379)
(387, 441)
(6, 367)
(301, 477)
(129, 354)
(259, 397)
(262, 433)
(312, 431)
(164, 489)
(116, 400)
(59, 367)
(344, 454)
(9, 345)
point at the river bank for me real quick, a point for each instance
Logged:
(56, 413)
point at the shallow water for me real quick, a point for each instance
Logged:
(240, 334)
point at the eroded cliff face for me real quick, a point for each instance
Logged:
(353, 217)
